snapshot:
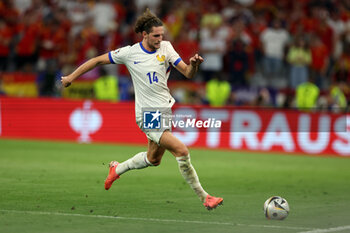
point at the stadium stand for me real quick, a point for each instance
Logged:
(240, 40)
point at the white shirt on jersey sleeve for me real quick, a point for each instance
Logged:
(172, 56)
(119, 56)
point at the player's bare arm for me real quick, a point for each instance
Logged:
(85, 67)
(190, 70)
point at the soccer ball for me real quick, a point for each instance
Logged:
(276, 208)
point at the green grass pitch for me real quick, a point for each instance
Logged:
(59, 187)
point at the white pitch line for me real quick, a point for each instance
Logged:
(153, 219)
(333, 229)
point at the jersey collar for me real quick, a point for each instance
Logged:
(145, 50)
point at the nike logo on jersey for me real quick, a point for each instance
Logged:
(136, 62)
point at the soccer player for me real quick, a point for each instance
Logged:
(149, 62)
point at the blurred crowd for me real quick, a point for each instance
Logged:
(272, 53)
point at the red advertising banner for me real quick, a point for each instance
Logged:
(241, 129)
(82, 121)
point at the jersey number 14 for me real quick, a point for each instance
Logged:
(152, 78)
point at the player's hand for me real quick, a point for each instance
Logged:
(65, 81)
(196, 60)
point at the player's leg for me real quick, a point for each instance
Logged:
(180, 151)
(152, 157)
(154, 153)
(141, 160)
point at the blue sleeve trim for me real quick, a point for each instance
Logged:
(110, 58)
(177, 61)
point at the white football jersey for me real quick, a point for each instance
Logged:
(149, 72)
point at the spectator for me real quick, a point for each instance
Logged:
(76, 11)
(324, 31)
(327, 36)
(120, 10)
(9, 12)
(239, 32)
(174, 21)
(306, 95)
(255, 29)
(52, 42)
(341, 75)
(337, 99)
(186, 45)
(342, 69)
(88, 40)
(27, 47)
(151, 4)
(237, 9)
(299, 58)
(320, 61)
(49, 79)
(212, 47)
(237, 64)
(37, 32)
(106, 87)
(103, 14)
(297, 17)
(130, 11)
(114, 37)
(274, 40)
(218, 91)
(61, 14)
(338, 27)
(6, 34)
(22, 5)
(211, 17)
(263, 99)
(285, 100)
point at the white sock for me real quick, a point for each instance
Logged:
(139, 161)
(190, 176)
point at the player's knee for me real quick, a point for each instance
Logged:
(183, 151)
(155, 161)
